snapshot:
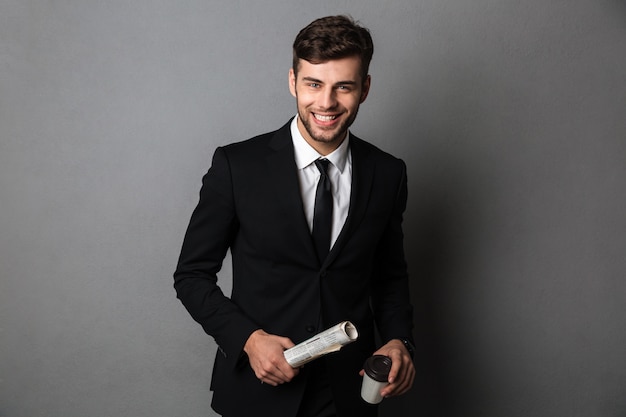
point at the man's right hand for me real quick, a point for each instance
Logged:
(266, 357)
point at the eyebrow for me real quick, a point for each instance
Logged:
(315, 80)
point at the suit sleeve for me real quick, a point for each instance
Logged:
(212, 229)
(391, 297)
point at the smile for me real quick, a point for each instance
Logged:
(322, 118)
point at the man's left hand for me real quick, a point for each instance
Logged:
(402, 371)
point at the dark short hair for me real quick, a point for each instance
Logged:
(333, 37)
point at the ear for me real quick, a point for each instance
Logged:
(366, 88)
(292, 82)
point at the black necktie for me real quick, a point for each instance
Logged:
(323, 213)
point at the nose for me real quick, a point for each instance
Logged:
(328, 98)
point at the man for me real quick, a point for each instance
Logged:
(313, 244)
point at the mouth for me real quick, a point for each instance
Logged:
(326, 120)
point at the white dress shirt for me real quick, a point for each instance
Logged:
(339, 171)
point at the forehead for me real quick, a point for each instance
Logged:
(334, 70)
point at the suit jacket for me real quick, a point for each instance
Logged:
(250, 203)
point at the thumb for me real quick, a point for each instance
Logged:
(286, 342)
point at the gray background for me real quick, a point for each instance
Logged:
(511, 116)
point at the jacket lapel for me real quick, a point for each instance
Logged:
(362, 179)
(283, 175)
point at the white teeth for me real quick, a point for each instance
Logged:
(324, 118)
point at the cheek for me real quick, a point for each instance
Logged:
(351, 103)
(304, 100)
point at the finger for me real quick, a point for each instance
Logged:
(403, 384)
(271, 379)
(281, 369)
(392, 390)
(287, 343)
(396, 381)
(396, 368)
(286, 373)
(408, 379)
(268, 372)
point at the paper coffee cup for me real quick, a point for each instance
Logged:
(376, 369)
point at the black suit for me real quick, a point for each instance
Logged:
(250, 202)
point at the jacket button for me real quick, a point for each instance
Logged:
(310, 329)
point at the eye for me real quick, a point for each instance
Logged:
(314, 85)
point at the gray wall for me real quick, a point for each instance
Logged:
(511, 116)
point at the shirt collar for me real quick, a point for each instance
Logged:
(306, 155)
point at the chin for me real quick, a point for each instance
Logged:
(327, 136)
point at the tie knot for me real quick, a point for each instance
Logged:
(322, 165)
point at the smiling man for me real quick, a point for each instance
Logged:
(312, 216)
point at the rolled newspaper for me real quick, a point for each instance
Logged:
(330, 340)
